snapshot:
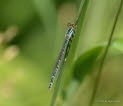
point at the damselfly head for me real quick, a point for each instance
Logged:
(71, 26)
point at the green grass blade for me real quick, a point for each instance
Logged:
(80, 19)
(105, 54)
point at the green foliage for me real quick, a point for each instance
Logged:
(27, 60)
(84, 64)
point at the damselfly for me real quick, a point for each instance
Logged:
(66, 46)
(64, 51)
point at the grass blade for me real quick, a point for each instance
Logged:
(105, 54)
(79, 21)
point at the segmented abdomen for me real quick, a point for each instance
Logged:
(61, 55)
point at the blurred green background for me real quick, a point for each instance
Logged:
(31, 35)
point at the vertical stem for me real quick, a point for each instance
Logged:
(104, 56)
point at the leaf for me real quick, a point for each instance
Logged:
(85, 62)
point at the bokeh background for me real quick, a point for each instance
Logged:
(31, 35)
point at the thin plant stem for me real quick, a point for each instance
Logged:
(104, 56)
(80, 11)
